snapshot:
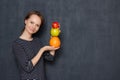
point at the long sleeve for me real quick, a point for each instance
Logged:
(21, 57)
(24, 51)
(48, 56)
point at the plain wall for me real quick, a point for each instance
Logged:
(90, 36)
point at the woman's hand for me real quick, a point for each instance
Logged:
(52, 52)
(49, 48)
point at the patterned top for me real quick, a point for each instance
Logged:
(24, 51)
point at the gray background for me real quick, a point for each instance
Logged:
(90, 37)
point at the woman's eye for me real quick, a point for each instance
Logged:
(31, 22)
(37, 25)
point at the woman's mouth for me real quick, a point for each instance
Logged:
(32, 29)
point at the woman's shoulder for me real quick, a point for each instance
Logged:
(18, 41)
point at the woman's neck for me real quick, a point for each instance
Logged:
(25, 35)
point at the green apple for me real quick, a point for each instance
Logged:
(55, 31)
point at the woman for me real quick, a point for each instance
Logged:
(29, 51)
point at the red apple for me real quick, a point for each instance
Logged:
(55, 25)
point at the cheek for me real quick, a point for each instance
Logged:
(27, 25)
(37, 28)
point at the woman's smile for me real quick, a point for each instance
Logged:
(32, 29)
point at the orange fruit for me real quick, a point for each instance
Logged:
(55, 42)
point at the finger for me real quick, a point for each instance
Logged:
(57, 48)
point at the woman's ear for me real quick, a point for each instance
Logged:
(25, 22)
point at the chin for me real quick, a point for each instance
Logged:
(31, 32)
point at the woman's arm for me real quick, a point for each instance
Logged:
(37, 57)
(41, 51)
(21, 57)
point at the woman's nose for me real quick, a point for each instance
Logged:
(34, 26)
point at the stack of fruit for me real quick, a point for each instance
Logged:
(54, 32)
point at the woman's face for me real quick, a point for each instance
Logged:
(32, 24)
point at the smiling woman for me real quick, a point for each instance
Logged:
(31, 18)
(33, 24)
(29, 51)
